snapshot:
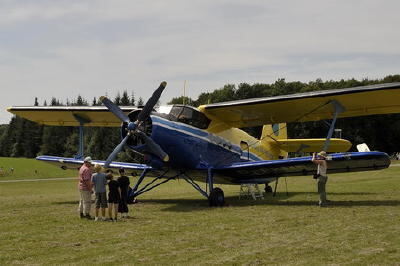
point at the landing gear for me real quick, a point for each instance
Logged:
(268, 188)
(216, 198)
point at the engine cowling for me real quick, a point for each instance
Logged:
(146, 127)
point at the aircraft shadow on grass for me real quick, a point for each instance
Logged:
(71, 202)
(281, 199)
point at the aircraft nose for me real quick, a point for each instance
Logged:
(131, 126)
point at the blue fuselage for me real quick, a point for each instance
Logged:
(192, 148)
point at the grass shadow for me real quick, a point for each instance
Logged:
(281, 199)
(72, 202)
(179, 205)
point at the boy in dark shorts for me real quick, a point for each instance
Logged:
(114, 196)
(99, 181)
(123, 181)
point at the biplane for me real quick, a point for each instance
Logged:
(206, 144)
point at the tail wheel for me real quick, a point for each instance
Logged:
(216, 198)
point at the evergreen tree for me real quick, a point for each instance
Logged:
(140, 102)
(8, 138)
(80, 101)
(71, 147)
(133, 102)
(117, 99)
(125, 99)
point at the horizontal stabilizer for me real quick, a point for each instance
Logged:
(313, 145)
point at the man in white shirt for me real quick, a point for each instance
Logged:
(320, 161)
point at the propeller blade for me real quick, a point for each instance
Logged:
(154, 148)
(115, 152)
(148, 107)
(114, 109)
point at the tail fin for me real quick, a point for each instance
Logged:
(271, 134)
(274, 131)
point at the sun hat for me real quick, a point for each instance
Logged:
(88, 160)
(322, 154)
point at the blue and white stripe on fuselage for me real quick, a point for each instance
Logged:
(205, 148)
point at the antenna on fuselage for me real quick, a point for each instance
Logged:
(184, 92)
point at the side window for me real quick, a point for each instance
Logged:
(186, 116)
(175, 112)
(189, 116)
(201, 121)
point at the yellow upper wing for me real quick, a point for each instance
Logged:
(94, 116)
(310, 106)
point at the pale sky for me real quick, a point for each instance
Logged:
(62, 49)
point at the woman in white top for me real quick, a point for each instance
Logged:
(322, 177)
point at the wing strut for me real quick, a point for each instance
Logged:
(338, 109)
(82, 121)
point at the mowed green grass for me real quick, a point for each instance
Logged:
(174, 225)
(30, 168)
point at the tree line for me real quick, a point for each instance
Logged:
(23, 138)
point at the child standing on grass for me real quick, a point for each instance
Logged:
(123, 181)
(99, 181)
(114, 196)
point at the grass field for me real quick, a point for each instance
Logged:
(21, 168)
(174, 225)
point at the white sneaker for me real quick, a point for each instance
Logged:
(96, 219)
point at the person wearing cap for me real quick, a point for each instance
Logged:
(320, 161)
(85, 188)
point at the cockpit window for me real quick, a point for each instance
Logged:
(189, 115)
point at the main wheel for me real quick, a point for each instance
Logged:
(216, 198)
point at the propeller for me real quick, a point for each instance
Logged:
(133, 128)
(148, 107)
(114, 109)
(117, 150)
(154, 147)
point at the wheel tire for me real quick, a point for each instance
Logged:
(216, 198)
(268, 188)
